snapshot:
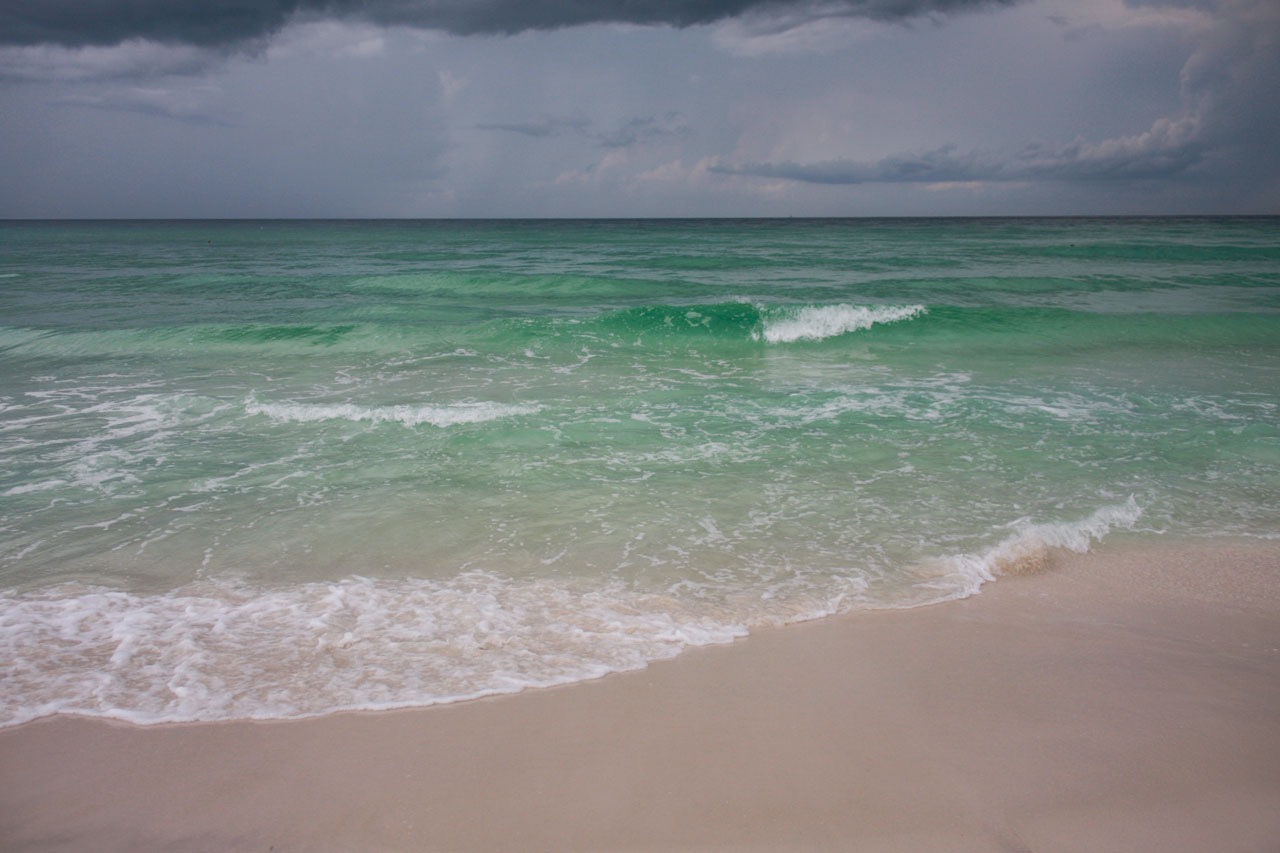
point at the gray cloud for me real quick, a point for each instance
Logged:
(1170, 148)
(541, 128)
(929, 167)
(636, 131)
(318, 108)
(128, 60)
(1230, 101)
(227, 24)
(187, 106)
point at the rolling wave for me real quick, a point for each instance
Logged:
(740, 321)
(663, 325)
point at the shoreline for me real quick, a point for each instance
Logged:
(1125, 699)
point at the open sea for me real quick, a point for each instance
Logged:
(281, 469)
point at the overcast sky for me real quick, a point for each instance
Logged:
(462, 108)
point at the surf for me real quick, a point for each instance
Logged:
(227, 649)
(786, 324)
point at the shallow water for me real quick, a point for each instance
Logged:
(272, 469)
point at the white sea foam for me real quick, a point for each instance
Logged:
(87, 439)
(28, 488)
(406, 415)
(1067, 406)
(814, 323)
(224, 650)
(227, 649)
(1028, 548)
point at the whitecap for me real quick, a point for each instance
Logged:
(1028, 550)
(816, 322)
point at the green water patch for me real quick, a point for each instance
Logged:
(193, 341)
(253, 335)
(1045, 329)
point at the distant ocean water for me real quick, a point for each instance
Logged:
(279, 469)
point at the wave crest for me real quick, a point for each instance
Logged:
(1027, 551)
(816, 322)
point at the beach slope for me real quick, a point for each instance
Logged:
(1124, 700)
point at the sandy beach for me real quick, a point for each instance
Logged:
(1124, 700)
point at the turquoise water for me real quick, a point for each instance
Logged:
(276, 469)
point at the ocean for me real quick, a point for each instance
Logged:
(266, 470)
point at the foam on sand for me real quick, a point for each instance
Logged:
(1123, 701)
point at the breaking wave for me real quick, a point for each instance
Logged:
(227, 649)
(814, 323)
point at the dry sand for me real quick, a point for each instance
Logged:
(1127, 700)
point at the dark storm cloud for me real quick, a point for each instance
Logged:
(230, 23)
(76, 23)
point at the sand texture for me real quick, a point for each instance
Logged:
(1126, 700)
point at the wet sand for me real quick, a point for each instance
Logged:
(1125, 700)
